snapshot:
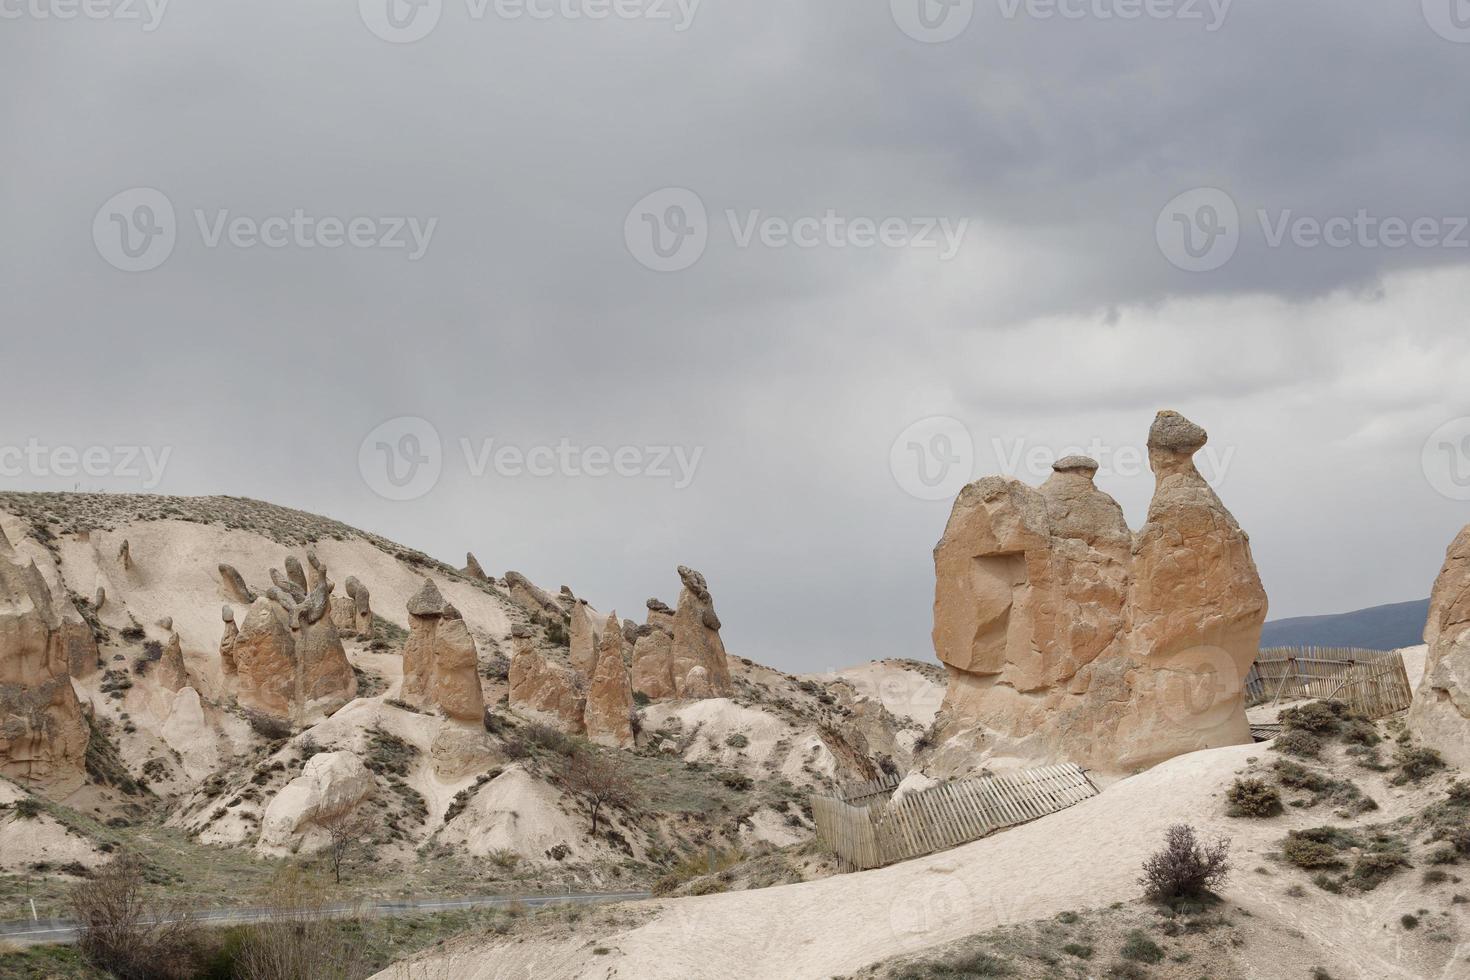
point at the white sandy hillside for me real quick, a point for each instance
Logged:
(909, 692)
(29, 838)
(1087, 856)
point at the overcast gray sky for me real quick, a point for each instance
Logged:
(995, 238)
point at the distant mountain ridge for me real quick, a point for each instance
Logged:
(1399, 624)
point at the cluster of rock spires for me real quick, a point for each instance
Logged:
(43, 733)
(1067, 636)
(285, 662)
(1440, 714)
(676, 654)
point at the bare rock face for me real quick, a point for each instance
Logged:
(1440, 714)
(1068, 638)
(171, 672)
(362, 609)
(609, 713)
(535, 600)
(43, 734)
(440, 663)
(543, 690)
(330, 784)
(234, 585)
(289, 660)
(653, 654)
(472, 568)
(697, 644)
(586, 637)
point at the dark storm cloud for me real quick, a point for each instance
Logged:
(528, 321)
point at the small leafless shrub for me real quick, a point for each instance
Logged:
(119, 932)
(1185, 868)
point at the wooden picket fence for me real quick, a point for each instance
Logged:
(944, 816)
(1372, 681)
(870, 793)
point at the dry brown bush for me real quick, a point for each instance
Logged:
(121, 933)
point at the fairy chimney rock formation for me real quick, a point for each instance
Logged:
(653, 665)
(535, 600)
(289, 661)
(609, 713)
(1440, 714)
(542, 690)
(227, 644)
(697, 657)
(171, 672)
(440, 663)
(234, 585)
(1067, 637)
(586, 637)
(362, 611)
(43, 734)
(472, 568)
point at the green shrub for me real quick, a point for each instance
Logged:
(1317, 847)
(1416, 763)
(1303, 745)
(1079, 950)
(1185, 868)
(1141, 949)
(1316, 717)
(27, 808)
(737, 741)
(1409, 921)
(1253, 798)
(1372, 868)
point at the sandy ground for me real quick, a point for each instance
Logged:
(1088, 855)
(39, 839)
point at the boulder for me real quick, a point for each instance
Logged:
(1440, 714)
(43, 733)
(440, 663)
(542, 690)
(608, 716)
(1068, 638)
(331, 784)
(697, 644)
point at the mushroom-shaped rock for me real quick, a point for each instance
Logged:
(125, 555)
(440, 663)
(1068, 638)
(697, 642)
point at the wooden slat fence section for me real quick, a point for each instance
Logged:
(945, 816)
(1372, 681)
(1264, 733)
(868, 793)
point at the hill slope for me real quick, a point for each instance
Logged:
(1390, 627)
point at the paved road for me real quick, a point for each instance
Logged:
(65, 931)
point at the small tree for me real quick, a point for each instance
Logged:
(345, 830)
(118, 932)
(598, 779)
(1185, 868)
(296, 939)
